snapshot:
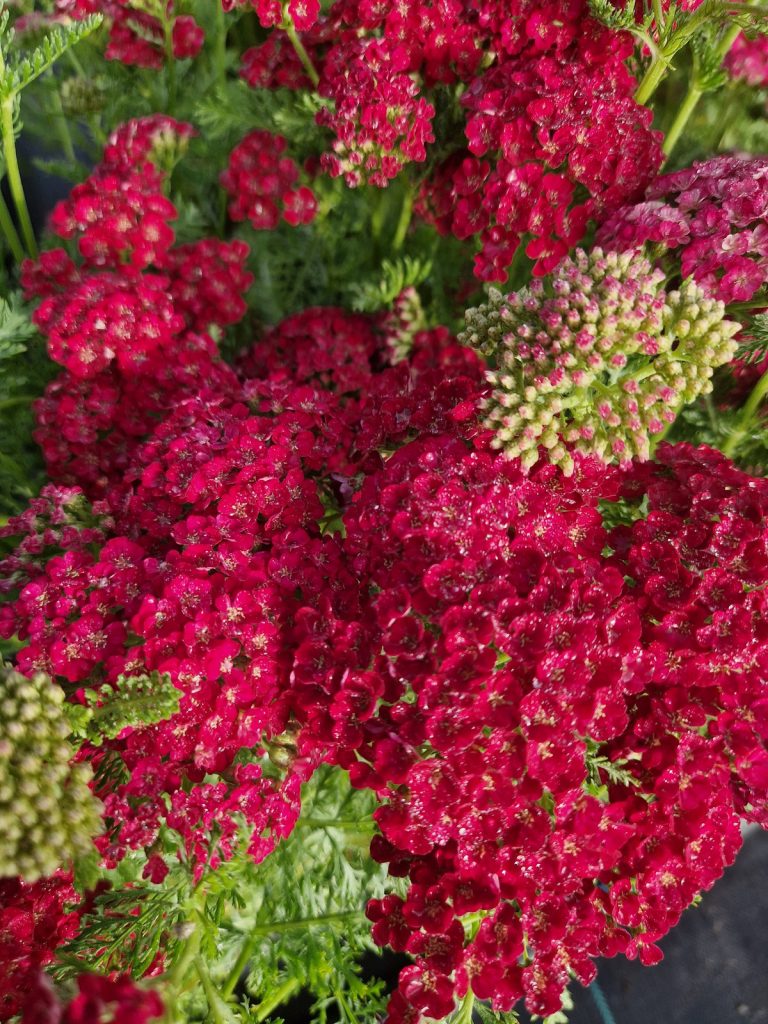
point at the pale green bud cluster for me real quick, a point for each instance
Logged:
(48, 814)
(597, 358)
(81, 96)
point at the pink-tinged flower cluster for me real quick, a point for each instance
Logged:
(35, 920)
(113, 1000)
(574, 715)
(599, 356)
(156, 140)
(262, 183)
(710, 221)
(137, 37)
(748, 59)
(58, 519)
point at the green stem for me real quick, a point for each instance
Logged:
(74, 60)
(243, 959)
(694, 94)
(14, 174)
(687, 107)
(726, 117)
(347, 825)
(299, 923)
(728, 40)
(10, 403)
(403, 223)
(11, 234)
(97, 131)
(220, 46)
(212, 996)
(170, 65)
(464, 1015)
(748, 412)
(62, 127)
(735, 309)
(177, 978)
(281, 994)
(12, 167)
(651, 79)
(346, 1009)
(301, 52)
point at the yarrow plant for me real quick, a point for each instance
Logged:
(348, 602)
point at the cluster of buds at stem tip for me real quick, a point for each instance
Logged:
(48, 814)
(597, 358)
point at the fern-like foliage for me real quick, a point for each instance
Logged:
(232, 110)
(622, 512)
(125, 929)
(24, 371)
(134, 701)
(618, 17)
(394, 276)
(256, 939)
(23, 68)
(314, 935)
(15, 327)
(754, 345)
(485, 1015)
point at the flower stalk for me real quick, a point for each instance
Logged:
(15, 184)
(301, 51)
(748, 413)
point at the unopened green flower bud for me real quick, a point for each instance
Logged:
(598, 355)
(48, 814)
(81, 96)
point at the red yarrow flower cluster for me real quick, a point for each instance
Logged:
(576, 736)
(137, 37)
(263, 184)
(710, 219)
(553, 134)
(541, 130)
(35, 920)
(116, 220)
(115, 1000)
(109, 316)
(302, 13)
(327, 347)
(274, 64)
(217, 571)
(89, 427)
(379, 120)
